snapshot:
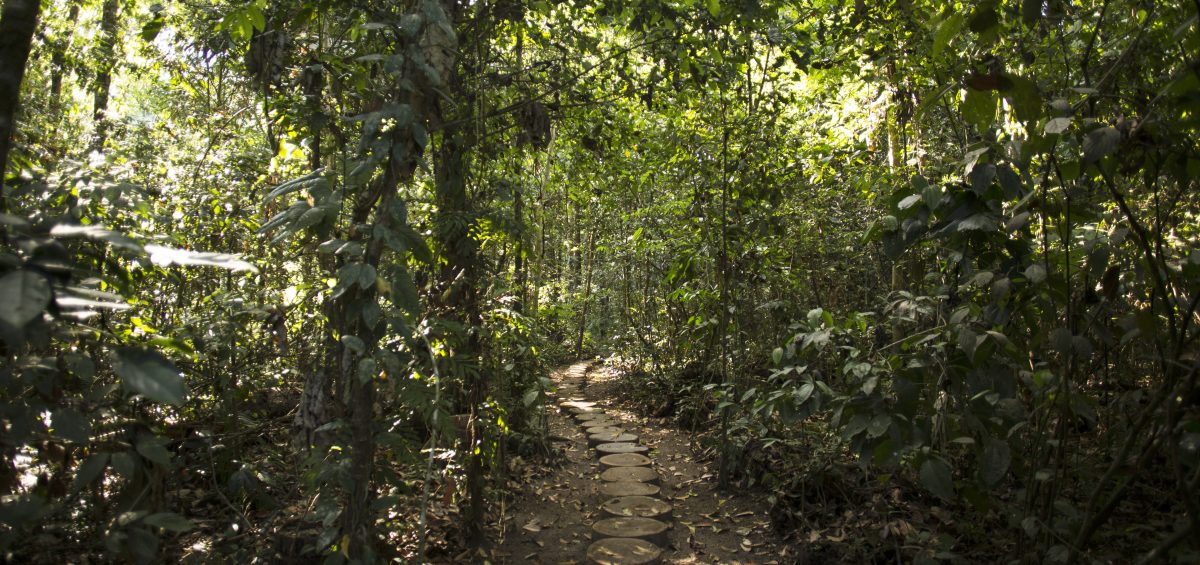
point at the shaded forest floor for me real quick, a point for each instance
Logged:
(550, 517)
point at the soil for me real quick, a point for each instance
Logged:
(550, 517)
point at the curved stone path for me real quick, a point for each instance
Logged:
(634, 531)
(621, 499)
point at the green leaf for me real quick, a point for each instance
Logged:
(994, 461)
(714, 8)
(977, 222)
(1036, 273)
(169, 521)
(945, 32)
(530, 397)
(255, 16)
(777, 355)
(1100, 142)
(909, 201)
(404, 292)
(367, 369)
(984, 19)
(936, 477)
(366, 276)
(1057, 125)
(151, 447)
(70, 424)
(89, 471)
(979, 108)
(879, 425)
(152, 27)
(150, 374)
(23, 297)
(310, 218)
(803, 393)
(354, 343)
(1024, 97)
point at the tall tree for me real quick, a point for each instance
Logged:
(18, 21)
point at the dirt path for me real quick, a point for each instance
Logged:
(552, 515)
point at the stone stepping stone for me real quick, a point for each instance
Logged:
(642, 506)
(591, 416)
(576, 411)
(628, 488)
(603, 430)
(623, 551)
(600, 423)
(576, 403)
(610, 448)
(611, 437)
(637, 474)
(624, 460)
(648, 529)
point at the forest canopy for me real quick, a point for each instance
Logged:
(287, 280)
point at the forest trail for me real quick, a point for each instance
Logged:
(556, 509)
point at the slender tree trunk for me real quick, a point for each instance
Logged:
(106, 62)
(587, 292)
(17, 23)
(519, 263)
(460, 276)
(58, 70)
(577, 246)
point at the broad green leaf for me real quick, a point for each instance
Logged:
(936, 477)
(151, 447)
(354, 343)
(1100, 142)
(909, 201)
(404, 292)
(70, 424)
(777, 355)
(945, 32)
(89, 471)
(979, 108)
(1036, 273)
(977, 222)
(530, 397)
(879, 425)
(803, 393)
(994, 461)
(256, 18)
(152, 27)
(1025, 99)
(310, 218)
(150, 374)
(1057, 125)
(143, 544)
(714, 7)
(23, 297)
(368, 368)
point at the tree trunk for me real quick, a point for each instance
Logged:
(587, 293)
(106, 62)
(460, 276)
(519, 262)
(17, 24)
(58, 70)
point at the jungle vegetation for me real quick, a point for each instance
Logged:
(278, 276)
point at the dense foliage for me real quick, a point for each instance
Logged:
(284, 279)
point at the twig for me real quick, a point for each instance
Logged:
(433, 438)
